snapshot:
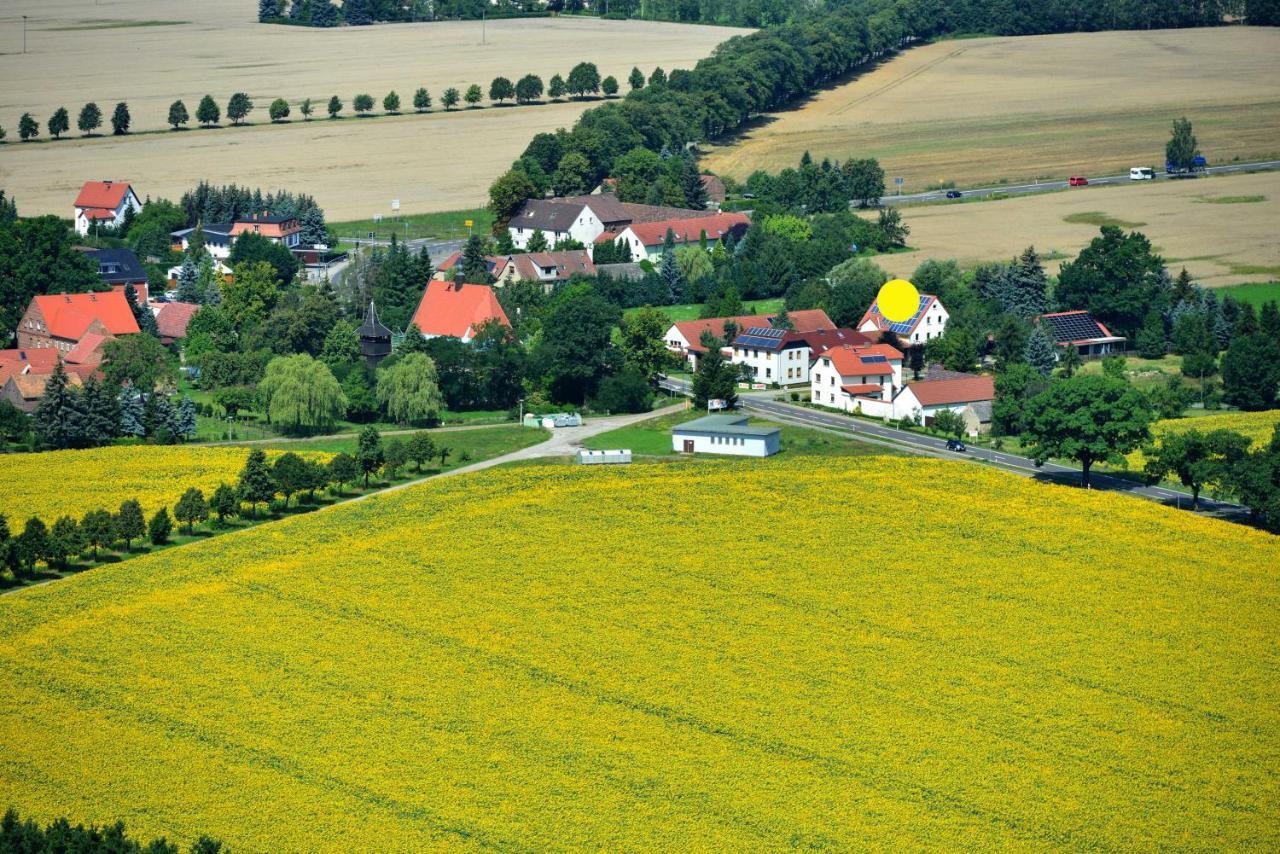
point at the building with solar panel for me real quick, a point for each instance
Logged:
(685, 337)
(856, 379)
(1079, 329)
(928, 322)
(782, 357)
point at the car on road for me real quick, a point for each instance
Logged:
(953, 194)
(956, 445)
(1078, 181)
(1142, 173)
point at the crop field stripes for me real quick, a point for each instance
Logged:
(894, 84)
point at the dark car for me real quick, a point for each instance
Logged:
(956, 445)
(953, 194)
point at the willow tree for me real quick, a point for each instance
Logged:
(301, 394)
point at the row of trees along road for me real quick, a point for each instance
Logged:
(583, 81)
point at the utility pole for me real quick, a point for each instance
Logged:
(483, 26)
(24, 33)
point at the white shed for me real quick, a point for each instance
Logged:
(724, 434)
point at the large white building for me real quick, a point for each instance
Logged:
(685, 337)
(783, 357)
(647, 240)
(584, 218)
(929, 322)
(104, 203)
(724, 434)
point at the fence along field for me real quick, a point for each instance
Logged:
(551, 658)
(976, 111)
(354, 168)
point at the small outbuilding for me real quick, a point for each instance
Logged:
(724, 434)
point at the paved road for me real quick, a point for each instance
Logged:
(438, 250)
(907, 440)
(1046, 186)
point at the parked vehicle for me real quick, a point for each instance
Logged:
(1142, 173)
(1198, 165)
(1078, 181)
(956, 445)
(953, 194)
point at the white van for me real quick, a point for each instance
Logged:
(1142, 173)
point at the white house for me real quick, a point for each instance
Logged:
(783, 356)
(929, 321)
(585, 219)
(685, 337)
(647, 239)
(217, 239)
(969, 396)
(104, 203)
(856, 378)
(724, 434)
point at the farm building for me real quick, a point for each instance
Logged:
(724, 434)
(1079, 329)
(585, 218)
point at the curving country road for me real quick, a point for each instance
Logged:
(1047, 186)
(929, 445)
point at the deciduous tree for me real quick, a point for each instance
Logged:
(1087, 418)
(239, 107)
(207, 112)
(278, 110)
(450, 98)
(501, 89)
(59, 122)
(178, 114)
(90, 118)
(120, 119)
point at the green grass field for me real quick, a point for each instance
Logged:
(653, 438)
(445, 225)
(474, 445)
(1254, 294)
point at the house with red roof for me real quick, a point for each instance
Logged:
(172, 319)
(104, 203)
(277, 229)
(685, 337)
(545, 267)
(60, 321)
(646, 239)
(971, 397)
(928, 322)
(846, 376)
(24, 390)
(782, 356)
(457, 310)
(584, 218)
(19, 361)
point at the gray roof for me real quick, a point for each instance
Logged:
(730, 425)
(630, 271)
(218, 233)
(547, 215)
(118, 266)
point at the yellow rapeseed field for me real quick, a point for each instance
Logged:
(1258, 426)
(880, 653)
(71, 483)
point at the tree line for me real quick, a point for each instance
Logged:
(583, 81)
(28, 837)
(794, 54)
(291, 481)
(978, 16)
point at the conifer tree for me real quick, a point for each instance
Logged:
(1041, 351)
(59, 417)
(256, 485)
(189, 281)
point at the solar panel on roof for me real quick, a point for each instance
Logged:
(755, 341)
(766, 332)
(904, 327)
(874, 359)
(1074, 327)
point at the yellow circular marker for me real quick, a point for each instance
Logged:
(898, 300)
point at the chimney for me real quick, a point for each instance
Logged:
(458, 275)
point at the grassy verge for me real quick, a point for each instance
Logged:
(465, 447)
(443, 225)
(692, 311)
(1254, 294)
(652, 438)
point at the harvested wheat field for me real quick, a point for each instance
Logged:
(162, 50)
(977, 111)
(1221, 228)
(559, 659)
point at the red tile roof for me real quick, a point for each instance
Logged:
(447, 309)
(102, 194)
(88, 351)
(807, 320)
(965, 390)
(822, 340)
(849, 360)
(172, 318)
(69, 316)
(688, 230)
(868, 388)
(16, 361)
